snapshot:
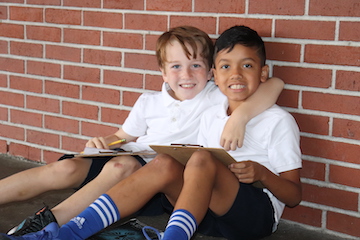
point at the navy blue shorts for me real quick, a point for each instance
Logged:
(250, 217)
(97, 165)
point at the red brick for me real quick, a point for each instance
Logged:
(261, 26)
(141, 61)
(3, 12)
(312, 123)
(277, 7)
(97, 130)
(44, 69)
(329, 149)
(111, 115)
(129, 98)
(12, 132)
(283, 51)
(153, 82)
(12, 30)
(331, 103)
(51, 34)
(50, 156)
(13, 1)
(101, 57)
(220, 6)
(289, 98)
(347, 8)
(26, 14)
(207, 24)
(343, 223)
(26, 118)
(313, 170)
(62, 89)
(124, 79)
(63, 16)
(82, 74)
(88, 37)
(124, 4)
(346, 128)
(322, 30)
(3, 80)
(26, 49)
(45, 2)
(150, 42)
(168, 5)
(103, 19)
(302, 214)
(63, 53)
(330, 197)
(349, 31)
(145, 22)
(11, 99)
(26, 84)
(73, 144)
(123, 40)
(348, 80)
(344, 176)
(3, 114)
(337, 55)
(83, 3)
(4, 47)
(43, 138)
(3, 146)
(300, 76)
(30, 153)
(98, 94)
(80, 110)
(62, 124)
(43, 104)
(12, 65)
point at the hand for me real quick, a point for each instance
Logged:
(232, 136)
(97, 142)
(247, 171)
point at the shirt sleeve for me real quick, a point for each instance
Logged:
(135, 124)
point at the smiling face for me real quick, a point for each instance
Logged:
(238, 73)
(186, 77)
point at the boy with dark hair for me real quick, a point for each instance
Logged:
(205, 194)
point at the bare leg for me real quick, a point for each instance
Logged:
(113, 172)
(68, 173)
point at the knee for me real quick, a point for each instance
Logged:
(201, 159)
(64, 168)
(120, 167)
(166, 166)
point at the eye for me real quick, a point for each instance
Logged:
(196, 65)
(176, 66)
(225, 66)
(247, 65)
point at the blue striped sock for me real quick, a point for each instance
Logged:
(96, 217)
(181, 226)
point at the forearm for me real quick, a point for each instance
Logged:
(287, 191)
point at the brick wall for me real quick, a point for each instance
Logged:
(72, 69)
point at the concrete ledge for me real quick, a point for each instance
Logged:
(13, 213)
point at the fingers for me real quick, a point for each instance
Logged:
(97, 142)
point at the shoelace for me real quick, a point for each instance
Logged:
(153, 230)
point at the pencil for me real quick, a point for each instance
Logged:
(116, 142)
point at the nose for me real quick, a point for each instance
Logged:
(186, 73)
(236, 74)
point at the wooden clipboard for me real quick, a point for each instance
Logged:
(182, 152)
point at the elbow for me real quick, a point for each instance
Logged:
(295, 201)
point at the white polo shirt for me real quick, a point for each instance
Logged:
(271, 139)
(157, 118)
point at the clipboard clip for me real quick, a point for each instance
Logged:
(185, 145)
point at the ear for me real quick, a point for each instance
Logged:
(264, 73)
(213, 70)
(163, 73)
(210, 74)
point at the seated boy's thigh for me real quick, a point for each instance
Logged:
(250, 217)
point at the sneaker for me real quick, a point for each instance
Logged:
(148, 229)
(34, 223)
(50, 232)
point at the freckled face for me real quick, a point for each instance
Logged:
(238, 73)
(186, 77)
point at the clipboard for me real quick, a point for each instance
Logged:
(182, 152)
(114, 154)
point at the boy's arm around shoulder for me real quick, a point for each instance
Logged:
(264, 97)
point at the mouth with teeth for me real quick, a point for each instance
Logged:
(189, 85)
(236, 86)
